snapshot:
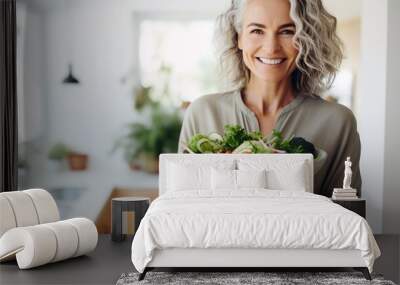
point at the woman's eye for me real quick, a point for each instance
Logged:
(257, 32)
(287, 32)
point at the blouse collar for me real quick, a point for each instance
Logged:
(298, 99)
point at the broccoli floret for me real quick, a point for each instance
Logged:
(305, 145)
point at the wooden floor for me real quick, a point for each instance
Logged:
(111, 259)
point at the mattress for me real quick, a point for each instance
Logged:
(250, 219)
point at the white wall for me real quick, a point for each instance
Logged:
(379, 116)
(31, 84)
(391, 186)
(372, 100)
(32, 60)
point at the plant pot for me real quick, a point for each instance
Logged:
(149, 163)
(77, 161)
(133, 165)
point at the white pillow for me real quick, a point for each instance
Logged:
(184, 175)
(283, 174)
(226, 179)
(223, 179)
(293, 179)
(251, 178)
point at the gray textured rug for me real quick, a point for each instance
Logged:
(230, 278)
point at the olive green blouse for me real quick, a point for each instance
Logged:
(329, 126)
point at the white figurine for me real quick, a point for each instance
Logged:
(345, 193)
(347, 174)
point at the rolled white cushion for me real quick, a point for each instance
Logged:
(23, 208)
(87, 235)
(41, 244)
(67, 239)
(7, 218)
(33, 246)
(45, 205)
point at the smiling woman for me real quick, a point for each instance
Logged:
(280, 56)
(303, 25)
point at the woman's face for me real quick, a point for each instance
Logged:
(266, 40)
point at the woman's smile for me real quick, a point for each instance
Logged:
(271, 61)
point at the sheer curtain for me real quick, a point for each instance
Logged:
(8, 97)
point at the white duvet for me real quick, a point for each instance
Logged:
(253, 218)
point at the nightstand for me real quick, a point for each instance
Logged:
(356, 205)
(138, 205)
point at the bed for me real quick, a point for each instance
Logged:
(246, 211)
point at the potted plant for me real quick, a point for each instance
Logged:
(76, 161)
(143, 143)
(58, 152)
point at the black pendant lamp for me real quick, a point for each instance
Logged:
(70, 79)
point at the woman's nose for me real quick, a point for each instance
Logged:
(271, 44)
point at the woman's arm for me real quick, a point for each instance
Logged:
(188, 128)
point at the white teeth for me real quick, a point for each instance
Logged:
(270, 61)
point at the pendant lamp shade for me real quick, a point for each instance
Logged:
(70, 79)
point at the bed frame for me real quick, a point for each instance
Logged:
(246, 259)
(242, 259)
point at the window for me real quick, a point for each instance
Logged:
(178, 57)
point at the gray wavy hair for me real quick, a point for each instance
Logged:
(320, 49)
